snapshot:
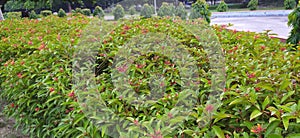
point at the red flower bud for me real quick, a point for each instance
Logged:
(71, 94)
(51, 89)
(20, 75)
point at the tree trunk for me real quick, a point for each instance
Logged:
(1, 15)
(69, 7)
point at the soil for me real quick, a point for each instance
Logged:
(7, 129)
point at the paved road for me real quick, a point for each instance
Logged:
(278, 24)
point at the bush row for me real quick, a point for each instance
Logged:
(98, 12)
(260, 98)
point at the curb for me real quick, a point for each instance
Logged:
(251, 14)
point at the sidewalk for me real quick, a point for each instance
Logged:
(278, 24)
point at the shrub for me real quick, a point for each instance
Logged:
(165, 10)
(61, 13)
(98, 12)
(46, 13)
(86, 12)
(41, 51)
(294, 22)
(181, 12)
(132, 10)
(289, 4)
(33, 15)
(13, 15)
(118, 12)
(260, 96)
(222, 7)
(252, 5)
(78, 10)
(147, 11)
(200, 10)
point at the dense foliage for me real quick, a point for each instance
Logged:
(46, 13)
(200, 10)
(118, 12)
(98, 12)
(165, 10)
(132, 10)
(181, 11)
(294, 22)
(86, 12)
(147, 11)
(289, 4)
(33, 15)
(61, 13)
(252, 5)
(260, 98)
(13, 15)
(222, 7)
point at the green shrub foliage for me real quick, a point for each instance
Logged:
(165, 10)
(132, 10)
(46, 13)
(289, 4)
(222, 7)
(98, 12)
(61, 13)
(252, 5)
(86, 12)
(260, 98)
(181, 12)
(118, 12)
(147, 11)
(200, 10)
(33, 15)
(37, 60)
(294, 22)
(13, 15)
(78, 10)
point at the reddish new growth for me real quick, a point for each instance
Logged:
(42, 46)
(257, 129)
(71, 94)
(20, 75)
(209, 108)
(252, 75)
(136, 122)
(170, 115)
(157, 134)
(51, 89)
(126, 28)
(257, 89)
(122, 69)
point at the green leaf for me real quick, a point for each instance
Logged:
(265, 103)
(294, 135)
(286, 96)
(284, 84)
(266, 86)
(245, 135)
(237, 101)
(271, 127)
(274, 136)
(254, 114)
(220, 116)
(286, 121)
(218, 131)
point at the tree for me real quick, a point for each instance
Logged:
(294, 22)
(118, 12)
